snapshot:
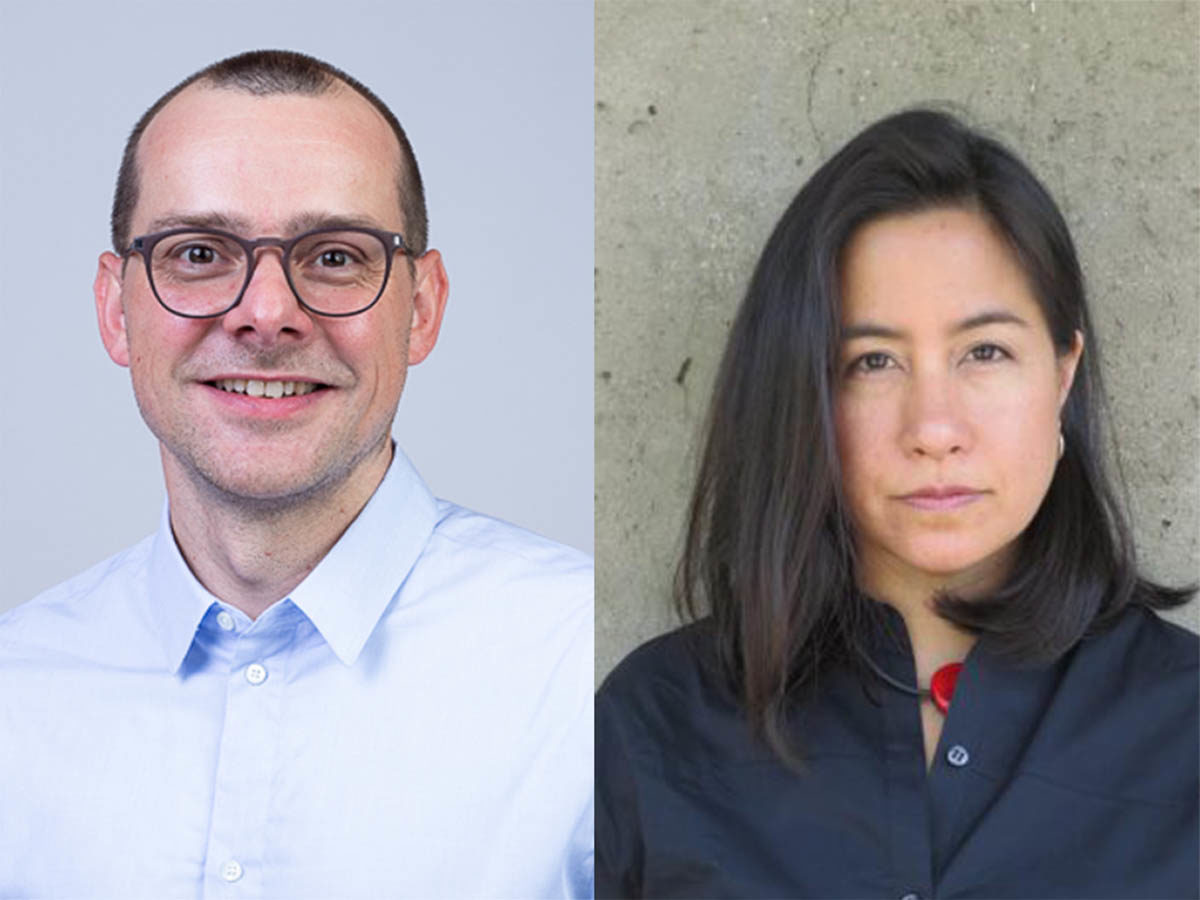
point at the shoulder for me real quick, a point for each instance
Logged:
(510, 611)
(678, 661)
(1174, 645)
(1145, 664)
(1146, 647)
(670, 691)
(503, 552)
(482, 576)
(1138, 671)
(1112, 727)
(68, 616)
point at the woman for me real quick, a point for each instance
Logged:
(930, 666)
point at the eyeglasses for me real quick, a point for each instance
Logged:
(200, 273)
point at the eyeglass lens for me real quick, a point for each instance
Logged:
(334, 272)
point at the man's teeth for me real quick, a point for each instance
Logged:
(253, 387)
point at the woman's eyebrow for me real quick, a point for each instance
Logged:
(870, 329)
(875, 330)
(993, 317)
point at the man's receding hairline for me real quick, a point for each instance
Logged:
(262, 73)
(331, 85)
(334, 85)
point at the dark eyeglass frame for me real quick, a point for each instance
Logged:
(144, 246)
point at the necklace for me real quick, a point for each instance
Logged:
(941, 686)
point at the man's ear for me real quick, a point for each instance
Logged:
(429, 302)
(109, 312)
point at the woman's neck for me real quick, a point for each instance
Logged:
(935, 641)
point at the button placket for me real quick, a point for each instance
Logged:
(906, 819)
(247, 757)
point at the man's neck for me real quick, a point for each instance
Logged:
(252, 556)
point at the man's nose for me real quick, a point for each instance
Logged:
(268, 311)
(935, 420)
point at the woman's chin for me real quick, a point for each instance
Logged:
(956, 565)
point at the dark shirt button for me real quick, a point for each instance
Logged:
(958, 756)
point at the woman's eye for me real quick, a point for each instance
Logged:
(870, 362)
(987, 353)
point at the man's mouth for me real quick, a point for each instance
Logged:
(273, 390)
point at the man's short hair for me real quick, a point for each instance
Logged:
(264, 72)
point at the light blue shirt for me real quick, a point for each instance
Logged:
(414, 720)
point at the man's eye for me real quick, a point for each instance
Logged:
(199, 255)
(334, 259)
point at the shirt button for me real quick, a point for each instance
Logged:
(255, 673)
(232, 870)
(225, 620)
(958, 756)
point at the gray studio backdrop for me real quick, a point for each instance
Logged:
(496, 98)
(709, 117)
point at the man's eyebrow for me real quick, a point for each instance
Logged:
(224, 221)
(875, 330)
(311, 221)
(308, 221)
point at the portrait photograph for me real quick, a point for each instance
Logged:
(897, 308)
(298, 521)
(600, 449)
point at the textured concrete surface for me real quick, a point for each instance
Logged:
(709, 117)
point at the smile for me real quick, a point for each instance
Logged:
(253, 387)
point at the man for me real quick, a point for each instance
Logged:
(315, 680)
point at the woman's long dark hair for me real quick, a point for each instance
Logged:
(768, 547)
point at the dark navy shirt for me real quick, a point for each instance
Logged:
(1071, 780)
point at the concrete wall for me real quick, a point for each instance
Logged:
(709, 117)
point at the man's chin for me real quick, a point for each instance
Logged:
(264, 488)
(271, 482)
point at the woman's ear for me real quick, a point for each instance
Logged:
(1067, 365)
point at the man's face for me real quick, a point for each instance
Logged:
(260, 166)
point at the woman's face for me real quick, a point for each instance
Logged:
(947, 398)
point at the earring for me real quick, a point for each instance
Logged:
(1062, 445)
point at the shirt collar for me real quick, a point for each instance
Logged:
(348, 591)
(344, 596)
(175, 600)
